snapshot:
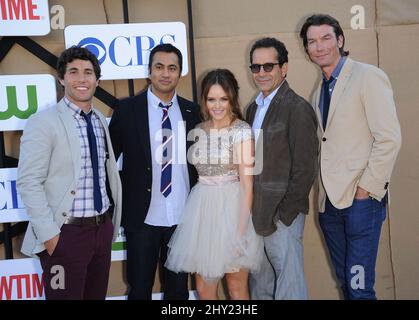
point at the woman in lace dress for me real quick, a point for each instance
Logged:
(216, 236)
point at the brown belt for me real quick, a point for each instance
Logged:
(96, 220)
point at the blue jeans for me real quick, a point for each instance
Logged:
(352, 236)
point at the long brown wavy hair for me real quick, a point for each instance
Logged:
(225, 78)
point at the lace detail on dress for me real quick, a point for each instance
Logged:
(216, 234)
(213, 153)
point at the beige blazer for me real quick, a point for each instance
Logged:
(48, 172)
(362, 137)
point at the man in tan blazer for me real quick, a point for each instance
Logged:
(69, 183)
(360, 139)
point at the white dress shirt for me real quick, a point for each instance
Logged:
(167, 211)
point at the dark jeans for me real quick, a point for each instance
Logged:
(79, 266)
(143, 251)
(352, 236)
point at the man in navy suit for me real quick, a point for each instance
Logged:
(150, 130)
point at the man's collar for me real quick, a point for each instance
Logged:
(73, 107)
(264, 101)
(154, 100)
(336, 71)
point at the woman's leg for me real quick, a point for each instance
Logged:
(206, 290)
(237, 285)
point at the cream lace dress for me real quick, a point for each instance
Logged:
(216, 233)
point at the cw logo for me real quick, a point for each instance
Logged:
(13, 108)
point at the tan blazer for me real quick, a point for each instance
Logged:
(362, 137)
(48, 171)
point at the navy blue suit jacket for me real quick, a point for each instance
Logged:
(129, 130)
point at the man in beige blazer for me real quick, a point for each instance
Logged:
(69, 183)
(360, 139)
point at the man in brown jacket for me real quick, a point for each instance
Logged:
(285, 132)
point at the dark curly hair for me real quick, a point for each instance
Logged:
(73, 53)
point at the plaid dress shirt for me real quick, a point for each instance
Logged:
(83, 205)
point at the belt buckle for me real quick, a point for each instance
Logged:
(97, 220)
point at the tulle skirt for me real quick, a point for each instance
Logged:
(216, 233)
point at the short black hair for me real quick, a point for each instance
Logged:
(74, 53)
(271, 43)
(165, 47)
(323, 19)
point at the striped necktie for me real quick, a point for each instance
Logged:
(166, 167)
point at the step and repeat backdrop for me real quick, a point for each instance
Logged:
(123, 52)
(377, 32)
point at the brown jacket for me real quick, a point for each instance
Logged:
(290, 160)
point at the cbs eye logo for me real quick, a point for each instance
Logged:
(95, 46)
(125, 51)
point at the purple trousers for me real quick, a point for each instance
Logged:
(79, 266)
